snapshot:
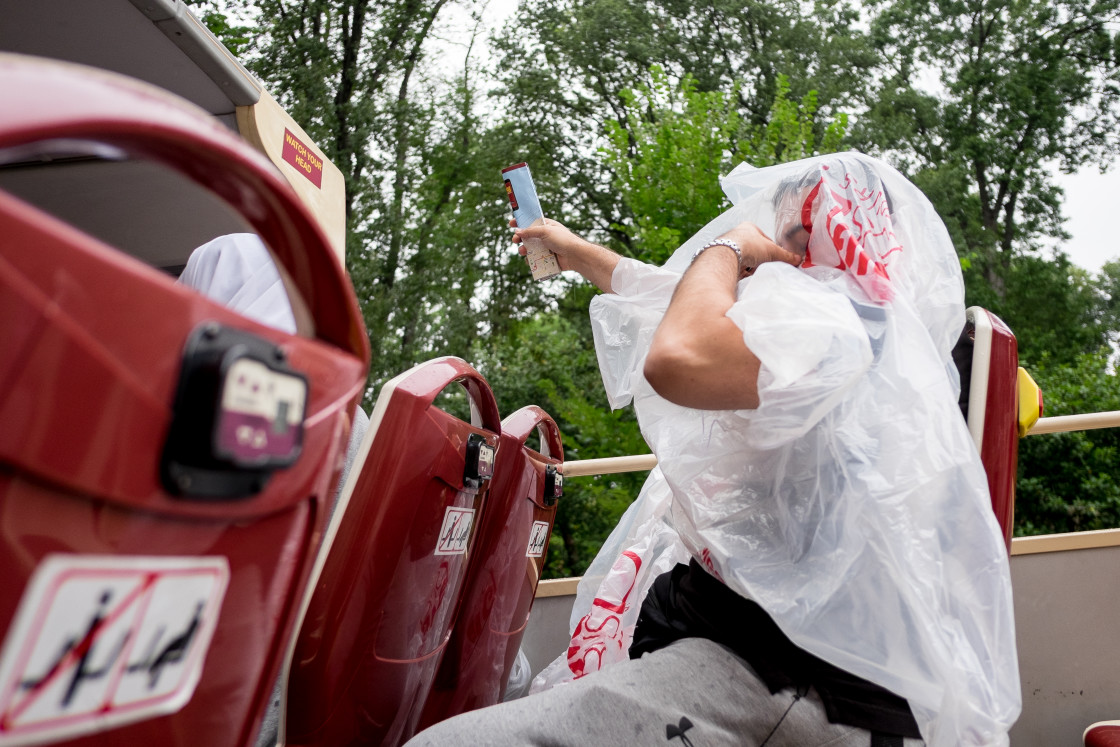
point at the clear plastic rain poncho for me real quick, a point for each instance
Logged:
(851, 504)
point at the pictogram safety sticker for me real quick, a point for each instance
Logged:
(455, 533)
(101, 641)
(538, 539)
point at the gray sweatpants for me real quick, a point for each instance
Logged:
(694, 693)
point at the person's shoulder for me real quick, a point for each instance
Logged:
(792, 296)
(812, 281)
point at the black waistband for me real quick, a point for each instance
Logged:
(687, 602)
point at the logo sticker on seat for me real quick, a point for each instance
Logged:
(103, 641)
(455, 534)
(538, 540)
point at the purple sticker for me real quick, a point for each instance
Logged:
(261, 415)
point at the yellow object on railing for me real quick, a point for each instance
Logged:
(1030, 402)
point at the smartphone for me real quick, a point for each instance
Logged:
(527, 212)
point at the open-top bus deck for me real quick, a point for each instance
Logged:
(97, 546)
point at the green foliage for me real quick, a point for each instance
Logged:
(1107, 284)
(674, 141)
(791, 132)
(675, 138)
(628, 111)
(427, 244)
(1021, 85)
(456, 276)
(236, 37)
(1024, 84)
(579, 64)
(1069, 481)
(1051, 305)
(666, 152)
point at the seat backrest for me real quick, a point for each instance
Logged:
(161, 42)
(390, 587)
(508, 564)
(988, 360)
(164, 462)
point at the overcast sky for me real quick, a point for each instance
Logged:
(1089, 197)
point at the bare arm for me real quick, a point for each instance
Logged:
(698, 357)
(596, 263)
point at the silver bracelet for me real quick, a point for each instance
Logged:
(720, 242)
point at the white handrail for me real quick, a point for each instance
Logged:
(1066, 423)
(609, 465)
(638, 463)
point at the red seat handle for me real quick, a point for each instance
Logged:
(49, 101)
(522, 423)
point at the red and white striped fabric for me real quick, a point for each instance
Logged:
(848, 220)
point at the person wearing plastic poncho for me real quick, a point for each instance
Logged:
(821, 468)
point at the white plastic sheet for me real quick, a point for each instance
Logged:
(851, 504)
(520, 676)
(642, 546)
(237, 271)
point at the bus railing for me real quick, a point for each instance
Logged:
(641, 462)
(1020, 545)
(1066, 423)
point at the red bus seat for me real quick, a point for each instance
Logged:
(509, 560)
(1102, 734)
(389, 591)
(153, 568)
(987, 357)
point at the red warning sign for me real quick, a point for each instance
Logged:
(298, 154)
(102, 641)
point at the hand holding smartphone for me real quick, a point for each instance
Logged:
(527, 212)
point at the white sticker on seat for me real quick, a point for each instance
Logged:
(455, 534)
(100, 641)
(538, 540)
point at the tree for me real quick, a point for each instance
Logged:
(1068, 482)
(1107, 284)
(1024, 84)
(213, 13)
(456, 276)
(675, 139)
(349, 71)
(573, 59)
(1053, 307)
(627, 111)
(427, 246)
